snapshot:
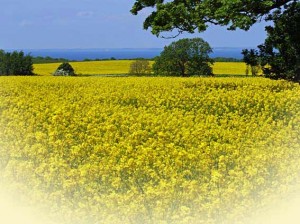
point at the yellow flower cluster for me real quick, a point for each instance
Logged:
(149, 150)
(122, 67)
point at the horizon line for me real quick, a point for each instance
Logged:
(112, 48)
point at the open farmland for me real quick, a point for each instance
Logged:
(88, 67)
(122, 67)
(149, 150)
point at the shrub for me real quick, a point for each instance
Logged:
(65, 69)
(140, 67)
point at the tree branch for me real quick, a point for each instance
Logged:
(277, 4)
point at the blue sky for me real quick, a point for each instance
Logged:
(68, 24)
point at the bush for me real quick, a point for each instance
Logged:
(65, 69)
(140, 67)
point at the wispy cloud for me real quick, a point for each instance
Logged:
(25, 22)
(85, 13)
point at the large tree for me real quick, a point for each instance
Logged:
(280, 50)
(191, 15)
(280, 54)
(185, 57)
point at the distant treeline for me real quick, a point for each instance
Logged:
(223, 59)
(44, 60)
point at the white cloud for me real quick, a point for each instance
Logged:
(85, 14)
(26, 23)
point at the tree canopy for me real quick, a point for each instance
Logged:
(191, 15)
(185, 57)
(280, 52)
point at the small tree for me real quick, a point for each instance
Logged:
(186, 57)
(140, 67)
(252, 60)
(64, 69)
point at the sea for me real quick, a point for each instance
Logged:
(120, 53)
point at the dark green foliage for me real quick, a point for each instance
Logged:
(182, 15)
(42, 60)
(252, 59)
(224, 59)
(64, 69)
(281, 50)
(140, 67)
(186, 57)
(15, 63)
(279, 56)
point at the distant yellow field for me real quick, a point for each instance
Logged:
(229, 68)
(122, 67)
(88, 68)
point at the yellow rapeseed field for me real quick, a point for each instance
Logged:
(122, 67)
(88, 67)
(229, 68)
(149, 150)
